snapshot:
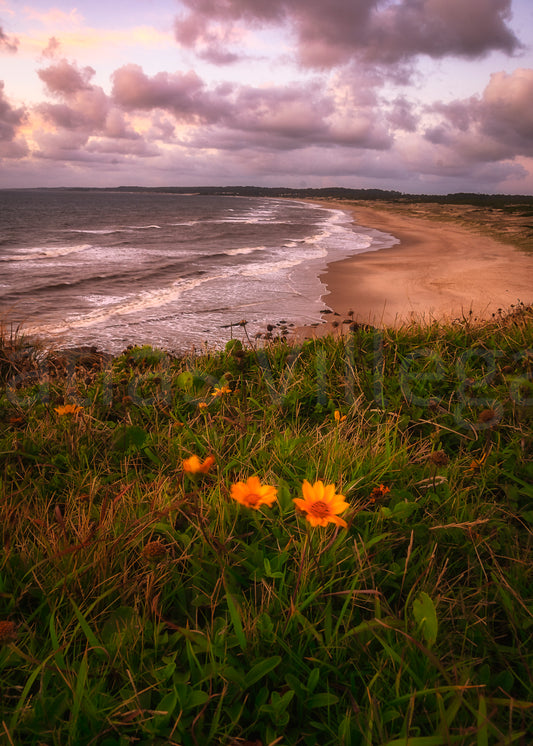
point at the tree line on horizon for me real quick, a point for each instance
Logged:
(338, 193)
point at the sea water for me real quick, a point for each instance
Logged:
(116, 268)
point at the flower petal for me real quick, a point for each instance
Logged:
(308, 491)
(339, 521)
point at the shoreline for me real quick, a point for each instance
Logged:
(438, 271)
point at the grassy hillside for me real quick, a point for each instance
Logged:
(150, 597)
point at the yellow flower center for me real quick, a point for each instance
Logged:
(320, 509)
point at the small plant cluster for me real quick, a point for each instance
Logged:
(323, 544)
(321, 505)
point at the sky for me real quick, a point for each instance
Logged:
(419, 96)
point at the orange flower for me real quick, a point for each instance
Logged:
(193, 465)
(221, 390)
(338, 416)
(68, 409)
(253, 494)
(321, 504)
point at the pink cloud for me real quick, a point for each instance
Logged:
(65, 79)
(181, 93)
(7, 43)
(84, 107)
(498, 124)
(10, 118)
(51, 48)
(332, 33)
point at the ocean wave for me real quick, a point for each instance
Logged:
(244, 250)
(39, 252)
(99, 231)
(143, 301)
(223, 268)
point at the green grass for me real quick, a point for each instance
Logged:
(142, 605)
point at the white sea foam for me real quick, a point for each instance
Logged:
(100, 231)
(130, 304)
(45, 252)
(160, 287)
(244, 250)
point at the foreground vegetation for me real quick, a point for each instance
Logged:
(148, 597)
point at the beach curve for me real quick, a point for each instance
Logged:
(439, 271)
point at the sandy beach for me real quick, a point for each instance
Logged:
(440, 270)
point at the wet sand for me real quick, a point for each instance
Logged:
(440, 271)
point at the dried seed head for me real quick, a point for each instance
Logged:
(488, 416)
(154, 551)
(7, 631)
(439, 458)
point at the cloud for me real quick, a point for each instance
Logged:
(496, 125)
(84, 111)
(183, 94)
(10, 118)
(289, 116)
(65, 79)
(329, 34)
(7, 43)
(55, 17)
(211, 44)
(440, 28)
(51, 48)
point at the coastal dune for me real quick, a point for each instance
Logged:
(440, 270)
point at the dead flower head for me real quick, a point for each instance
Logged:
(378, 493)
(488, 417)
(439, 458)
(7, 631)
(154, 551)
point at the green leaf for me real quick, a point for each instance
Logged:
(260, 670)
(482, 731)
(426, 617)
(167, 705)
(420, 741)
(78, 696)
(322, 699)
(131, 438)
(185, 380)
(154, 458)
(236, 621)
(87, 631)
(312, 681)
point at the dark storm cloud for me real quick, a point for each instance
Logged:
(379, 32)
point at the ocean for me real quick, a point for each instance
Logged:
(180, 272)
